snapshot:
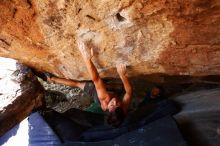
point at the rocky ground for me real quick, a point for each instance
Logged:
(61, 97)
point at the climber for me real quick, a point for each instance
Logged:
(108, 101)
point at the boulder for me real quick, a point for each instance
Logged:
(199, 118)
(20, 93)
(172, 37)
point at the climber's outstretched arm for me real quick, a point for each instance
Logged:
(121, 69)
(99, 84)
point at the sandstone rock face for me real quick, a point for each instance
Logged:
(20, 93)
(173, 37)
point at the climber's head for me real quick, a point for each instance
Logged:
(115, 112)
(113, 104)
(116, 117)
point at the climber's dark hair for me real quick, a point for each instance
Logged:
(116, 117)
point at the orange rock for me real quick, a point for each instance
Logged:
(149, 36)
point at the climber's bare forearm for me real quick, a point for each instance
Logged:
(126, 83)
(121, 69)
(128, 93)
(99, 84)
(92, 70)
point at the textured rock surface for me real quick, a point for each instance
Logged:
(20, 93)
(174, 37)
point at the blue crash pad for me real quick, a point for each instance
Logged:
(154, 129)
(162, 132)
(77, 125)
(32, 131)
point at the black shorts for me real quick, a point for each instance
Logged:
(91, 91)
